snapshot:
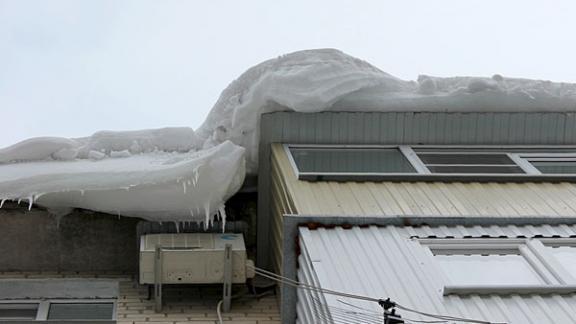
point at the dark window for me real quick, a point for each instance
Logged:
(555, 167)
(18, 311)
(351, 160)
(80, 311)
(442, 158)
(479, 169)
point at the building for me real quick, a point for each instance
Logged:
(469, 215)
(463, 214)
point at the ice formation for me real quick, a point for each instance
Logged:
(176, 174)
(157, 186)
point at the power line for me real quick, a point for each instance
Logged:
(385, 303)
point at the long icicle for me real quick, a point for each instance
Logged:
(222, 212)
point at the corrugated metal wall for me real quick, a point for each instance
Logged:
(396, 128)
(360, 199)
(387, 262)
(281, 204)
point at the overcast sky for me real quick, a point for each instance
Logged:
(70, 68)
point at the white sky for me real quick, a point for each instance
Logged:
(70, 68)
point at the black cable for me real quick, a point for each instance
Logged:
(386, 303)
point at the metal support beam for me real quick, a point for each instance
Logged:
(227, 278)
(158, 260)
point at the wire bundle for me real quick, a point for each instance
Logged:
(367, 316)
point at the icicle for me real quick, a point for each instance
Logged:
(2, 202)
(196, 174)
(19, 201)
(30, 202)
(58, 219)
(222, 212)
(184, 186)
(177, 224)
(206, 215)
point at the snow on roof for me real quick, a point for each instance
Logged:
(178, 174)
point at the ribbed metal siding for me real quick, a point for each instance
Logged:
(358, 199)
(396, 128)
(385, 262)
(420, 127)
(281, 204)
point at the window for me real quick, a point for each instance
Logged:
(492, 269)
(433, 163)
(360, 160)
(18, 311)
(462, 162)
(566, 256)
(83, 311)
(79, 311)
(493, 266)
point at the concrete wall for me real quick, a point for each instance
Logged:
(82, 241)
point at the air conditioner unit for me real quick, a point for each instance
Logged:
(193, 258)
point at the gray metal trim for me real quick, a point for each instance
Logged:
(158, 275)
(58, 288)
(507, 290)
(436, 177)
(227, 286)
(413, 158)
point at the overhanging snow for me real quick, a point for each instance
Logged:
(178, 174)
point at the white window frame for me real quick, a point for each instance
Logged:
(422, 173)
(44, 308)
(556, 278)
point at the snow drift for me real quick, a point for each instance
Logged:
(329, 80)
(179, 174)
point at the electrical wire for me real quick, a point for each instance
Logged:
(446, 317)
(219, 312)
(297, 284)
(237, 296)
(290, 282)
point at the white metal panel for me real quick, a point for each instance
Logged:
(192, 257)
(389, 261)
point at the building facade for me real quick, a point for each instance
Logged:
(467, 215)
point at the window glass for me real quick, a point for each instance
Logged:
(479, 169)
(555, 167)
(351, 160)
(509, 269)
(80, 311)
(566, 255)
(470, 163)
(18, 311)
(443, 158)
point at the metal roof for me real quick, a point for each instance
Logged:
(387, 261)
(423, 198)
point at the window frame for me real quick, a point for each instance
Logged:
(422, 173)
(44, 308)
(555, 277)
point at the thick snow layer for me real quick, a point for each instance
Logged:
(157, 186)
(329, 80)
(40, 148)
(179, 174)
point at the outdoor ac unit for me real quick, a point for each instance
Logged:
(193, 258)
